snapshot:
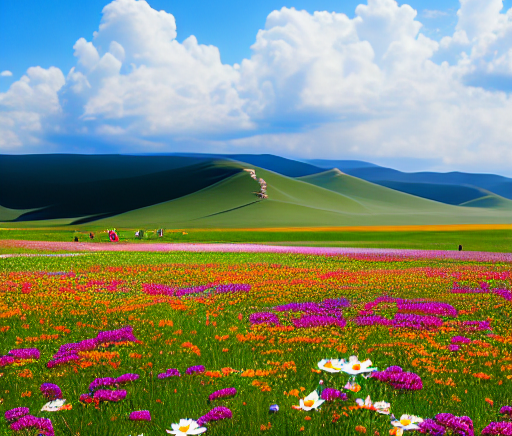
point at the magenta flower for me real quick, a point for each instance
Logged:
(29, 421)
(330, 394)
(101, 382)
(171, 372)
(195, 370)
(216, 414)
(113, 396)
(15, 414)
(6, 360)
(25, 353)
(140, 415)
(127, 378)
(222, 393)
(51, 391)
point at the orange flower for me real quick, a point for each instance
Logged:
(489, 401)
(361, 429)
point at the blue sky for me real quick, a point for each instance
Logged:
(427, 90)
(35, 32)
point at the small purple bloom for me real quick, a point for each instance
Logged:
(215, 414)
(274, 408)
(171, 372)
(17, 413)
(6, 360)
(264, 318)
(506, 410)
(140, 415)
(501, 428)
(222, 393)
(330, 394)
(114, 396)
(124, 334)
(454, 347)
(25, 353)
(195, 370)
(460, 340)
(102, 382)
(431, 427)
(127, 378)
(29, 421)
(51, 391)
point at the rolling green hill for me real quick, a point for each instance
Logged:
(191, 192)
(300, 203)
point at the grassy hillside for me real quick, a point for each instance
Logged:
(296, 203)
(490, 201)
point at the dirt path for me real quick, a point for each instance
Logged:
(88, 247)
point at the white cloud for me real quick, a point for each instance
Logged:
(317, 85)
(5, 73)
(26, 106)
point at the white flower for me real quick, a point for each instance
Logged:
(53, 406)
(407, 422)
(331, 365)
(312, 401)
(185, 427)
(354, 367)
(380, 407)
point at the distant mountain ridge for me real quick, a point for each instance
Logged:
(188, 190)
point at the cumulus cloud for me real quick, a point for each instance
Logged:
(5, 73)
(316, 85)
(26, 107)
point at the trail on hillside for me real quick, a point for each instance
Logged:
(480, 256)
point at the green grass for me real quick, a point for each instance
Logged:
(84, 303)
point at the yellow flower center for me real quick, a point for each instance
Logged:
(356, 367)
(184, 429)
(308, 403)
(405, 422)
(330, 365)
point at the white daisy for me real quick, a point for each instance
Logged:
(355, 367)
(331, 365)
(186, 427)
(407, 422)
(312, 401)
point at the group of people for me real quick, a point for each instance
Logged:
(263, 185)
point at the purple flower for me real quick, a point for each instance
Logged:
(431, 427)
(171, 372)
(454, 347)
(308, 321)
(372, 320)
(17, 413)
(419, 322)
(215, 414)
(504, 293)
(114, 396)
(232, 288)
(62, 360)
(264, 318)
(330, 394)
(192, 290)
(101, 382)
(25, 353)
(506, 410)
(274, 408)
(459, 425)
(140, 415)
(29, 421)
(51, 391)
(124, 334)
(473, 326)
(460, 340)
(396, 378)
(335, 303)
(195, 370)
(502, 428)
(6, 360)
(127, 378)
(222, 393)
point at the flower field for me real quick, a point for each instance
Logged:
(233, 343)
